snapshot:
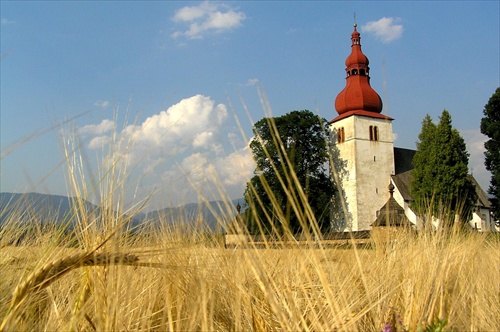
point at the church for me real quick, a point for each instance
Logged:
(375, 176)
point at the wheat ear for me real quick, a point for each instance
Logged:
(51, 271)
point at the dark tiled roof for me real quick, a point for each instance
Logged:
(402, 182)
(482, 198)
(391, 214)
(403, 160)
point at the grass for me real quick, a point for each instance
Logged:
(99, 278)
(170, 281)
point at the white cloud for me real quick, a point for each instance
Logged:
(187, 145)
(99, 142)
(203, 139)
(386, 29)
(98, 130)
(236, 168)
(101, 103)
(187, 14)
(207, 17)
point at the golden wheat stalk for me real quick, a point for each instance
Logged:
(51, 271)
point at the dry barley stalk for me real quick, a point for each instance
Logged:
(51, 271)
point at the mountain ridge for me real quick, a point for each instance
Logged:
(58, 208)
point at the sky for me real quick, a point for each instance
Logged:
(168, 90)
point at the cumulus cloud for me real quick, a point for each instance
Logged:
(191, 122)
(99, 142)
(237, 167)
(386, 29)
(187, 145)
(99, 129)
(206, 17)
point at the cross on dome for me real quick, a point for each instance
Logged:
(358, 97)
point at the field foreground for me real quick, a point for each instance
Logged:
(169, 281)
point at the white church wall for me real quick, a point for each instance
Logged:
(369, 165)
(482, 221)
(412, 217)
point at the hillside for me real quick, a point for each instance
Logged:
(46, 208)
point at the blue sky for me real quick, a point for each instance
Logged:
(171, 77)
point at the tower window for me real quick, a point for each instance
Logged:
(340, 135)
(355, 72)
(373, 133)
(362, 72)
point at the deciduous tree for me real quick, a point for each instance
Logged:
(291, 189)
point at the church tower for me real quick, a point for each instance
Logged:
(362, 137)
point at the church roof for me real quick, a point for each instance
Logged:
(358, 97)
(402, 182)
(482, 198)
(391, 214)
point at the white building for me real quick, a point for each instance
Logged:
(363, 139)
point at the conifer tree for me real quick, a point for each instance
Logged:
(424, 165)
(440, 177)
(490, 126)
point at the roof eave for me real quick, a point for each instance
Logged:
(367, 114)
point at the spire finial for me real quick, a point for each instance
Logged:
(355, 24)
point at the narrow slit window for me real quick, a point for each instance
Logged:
(373, 133)
(340, 135)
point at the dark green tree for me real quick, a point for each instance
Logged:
(424, 165)
(291, 189)
(440, 182)
(490, 126)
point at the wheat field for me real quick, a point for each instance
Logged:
(173, 281)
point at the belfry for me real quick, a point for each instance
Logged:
(363, 138)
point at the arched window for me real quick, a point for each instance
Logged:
(355, 72)
(362, 72)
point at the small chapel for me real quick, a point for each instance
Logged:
(375, 176)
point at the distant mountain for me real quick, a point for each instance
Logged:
(40, 207)
(209, 215)
(60, 209)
